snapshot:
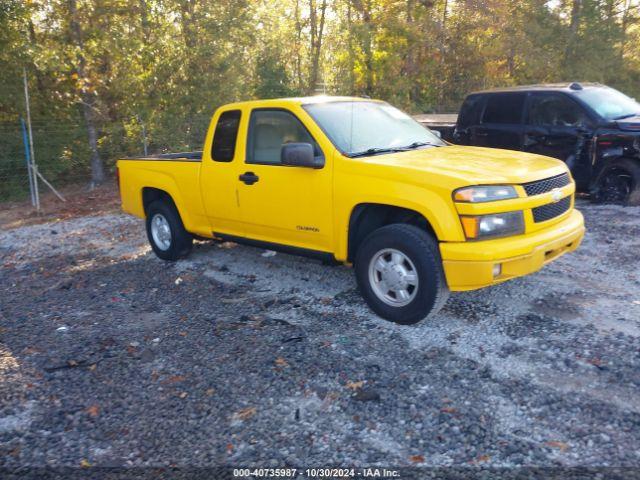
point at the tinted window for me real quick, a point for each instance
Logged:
(269, 130)
(553, 110)
(470, 111)
(504, 108)
(224, 138)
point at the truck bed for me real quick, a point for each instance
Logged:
(180, 156)
(444, 123)
(177, 174)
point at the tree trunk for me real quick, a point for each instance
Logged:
(42, 90)
(317, 29)
(443, 41)
(624, 27)
(298, 47)
(368, 47)
(87, 98)
(576, 16)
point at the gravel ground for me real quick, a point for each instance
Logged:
(112, 357)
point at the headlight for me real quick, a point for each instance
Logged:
(485, 193)
(481, 227)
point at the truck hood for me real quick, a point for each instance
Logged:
(473, 165)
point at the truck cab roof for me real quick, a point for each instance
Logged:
(278, 102)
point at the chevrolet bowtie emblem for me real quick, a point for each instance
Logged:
(556, 195)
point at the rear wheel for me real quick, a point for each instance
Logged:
(399, 273)
(165, 231)
(620, 183)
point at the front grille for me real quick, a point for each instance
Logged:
(546, 185)
(551, 210)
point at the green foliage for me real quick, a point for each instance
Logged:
(166, 65)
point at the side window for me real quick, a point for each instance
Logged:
(504, 108)
(553, 110)
(269, 130)
(225, 135)
(470, 111)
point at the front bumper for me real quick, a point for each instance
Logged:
(470, 265)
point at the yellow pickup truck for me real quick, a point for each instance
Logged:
(357, 181)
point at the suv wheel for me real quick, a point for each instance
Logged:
(399, 274)
(165, 231)
(620, 183)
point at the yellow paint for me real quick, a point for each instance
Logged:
(311, 208)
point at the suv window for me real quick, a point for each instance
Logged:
(504, 108)
(470, 111)
(269, 130)
(223, 147)
(553, 110)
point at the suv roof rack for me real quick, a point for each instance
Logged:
(575, 86)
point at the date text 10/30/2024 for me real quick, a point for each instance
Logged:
(285, 473)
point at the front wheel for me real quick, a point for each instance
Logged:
(620, 183)
(165, 231)
(399, 274)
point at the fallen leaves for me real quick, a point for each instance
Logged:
(416, 458)
(173, 379)
(281, 362)
(209, 392)
(93, 410)
(449, 410)
(245, 413)
(563, 447)
(84, 463)
(355, 385)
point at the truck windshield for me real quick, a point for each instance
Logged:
(364, 128)
(609, 103)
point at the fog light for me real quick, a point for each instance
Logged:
(497, 270)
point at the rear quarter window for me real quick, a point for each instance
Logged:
(504, 108)
(223, 148)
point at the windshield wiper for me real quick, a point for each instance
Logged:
(629, 115)
(420, 144)
(375, 151)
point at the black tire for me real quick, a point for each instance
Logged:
(181, 241)
(619, 183)
(422, 250)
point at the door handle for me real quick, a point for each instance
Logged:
(249, 178)
(535, 136)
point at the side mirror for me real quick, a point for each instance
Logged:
(300, 155)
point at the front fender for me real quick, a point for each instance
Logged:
(436, 206)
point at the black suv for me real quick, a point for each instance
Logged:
(593, 128)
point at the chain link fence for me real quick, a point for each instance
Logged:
(61, 149)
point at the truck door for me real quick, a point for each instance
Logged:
(284, 204)
(501, 122)
(219, 177)
(557, 126)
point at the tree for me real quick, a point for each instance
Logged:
(86, 92)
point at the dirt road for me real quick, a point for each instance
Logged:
(111, 357)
